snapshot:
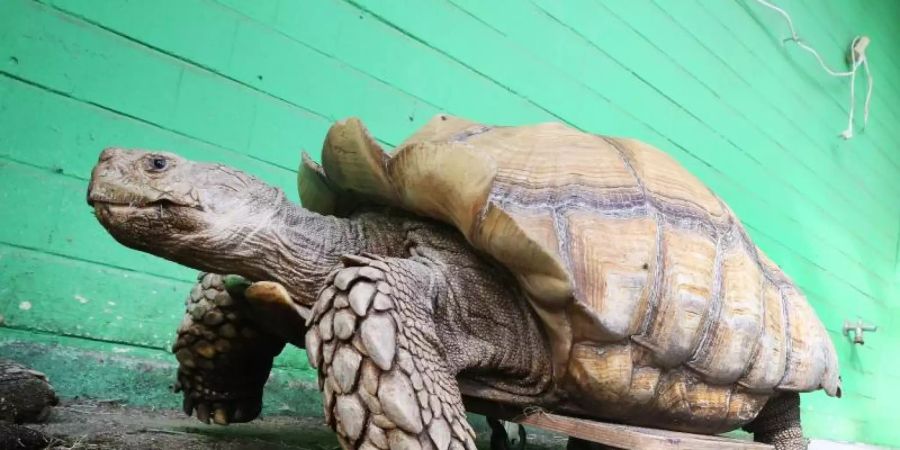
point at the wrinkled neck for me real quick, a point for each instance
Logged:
(287, 244)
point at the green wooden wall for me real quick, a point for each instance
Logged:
(251, 83)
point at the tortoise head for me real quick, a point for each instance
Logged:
(182, 210)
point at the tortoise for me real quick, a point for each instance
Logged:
(523, 266)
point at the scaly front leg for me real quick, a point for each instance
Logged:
(381, 366)
(224, 356)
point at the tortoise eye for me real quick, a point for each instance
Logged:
(158, 163)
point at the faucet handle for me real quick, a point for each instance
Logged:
(858, 328)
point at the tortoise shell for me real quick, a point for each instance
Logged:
(654, 298)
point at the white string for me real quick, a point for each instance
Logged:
(858, 58)
(871, 82)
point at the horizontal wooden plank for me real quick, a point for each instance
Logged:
(76, 298)
(287, 70)
(62, 296)
(65, 135)
(354, 37)
(615, 435)
(760, 29)
(835, 26)
(49, 213)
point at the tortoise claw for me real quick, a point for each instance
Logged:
(203, 412)
(220, 415)
(187, 405)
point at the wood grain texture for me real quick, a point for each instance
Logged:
(617, 435)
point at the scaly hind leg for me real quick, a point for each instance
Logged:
(382, 368)
(779, 423)
(224, 356)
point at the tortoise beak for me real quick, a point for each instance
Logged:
(104, 164)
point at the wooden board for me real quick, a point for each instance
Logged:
(623, 436)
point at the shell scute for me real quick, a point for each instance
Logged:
(614, 278)
(666, 181)
(736, 324)
(684, 298)
(767, 369)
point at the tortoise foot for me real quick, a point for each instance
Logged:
(224, 358)
(779, 423)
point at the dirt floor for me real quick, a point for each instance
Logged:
(94, 425)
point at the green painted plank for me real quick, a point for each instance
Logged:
(841, 29)
(53, 215)
(287, 70)
(572, 102)
(847, 153)
(794, 58)
(720, 40)
(66, 135)
(833, 39)
(355, 38)
(770, 24)
(67, 56)
(409, 17)
(62, 296)
(810, 142)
